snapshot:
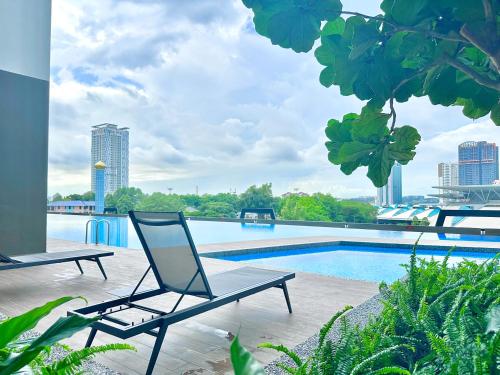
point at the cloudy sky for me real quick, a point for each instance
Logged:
(211, 103)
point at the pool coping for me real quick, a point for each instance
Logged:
(278, 245)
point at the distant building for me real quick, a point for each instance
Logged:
(447, 176)
(477, 163)
(100, 182)
(471, 194)
(77, 207)
(110, 145)
(392, 193)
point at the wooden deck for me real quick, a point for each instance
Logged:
(198, 345)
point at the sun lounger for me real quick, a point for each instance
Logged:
(177, 267)
(42, 259)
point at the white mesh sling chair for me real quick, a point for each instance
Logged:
(175, 263)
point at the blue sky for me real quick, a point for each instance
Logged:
(212, 104)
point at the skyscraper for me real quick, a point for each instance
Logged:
(477, 163)
(447, 176)
(392, 193)
(110, 146)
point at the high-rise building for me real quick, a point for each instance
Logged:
(392, 193)
(110, 146)
(447, 176)
(477, 163)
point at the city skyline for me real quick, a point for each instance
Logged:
(173, 92)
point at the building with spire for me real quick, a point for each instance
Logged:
(100, 183)
(110, 145)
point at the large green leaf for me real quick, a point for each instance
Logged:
(405, 12)
(354, 151)
(406, 138)
(12, 328)
(243, 361)
(380, 165)
(293, 24)
(61, 329)
(365, 36)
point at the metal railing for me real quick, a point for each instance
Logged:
(97, 222)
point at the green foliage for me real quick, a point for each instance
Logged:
(324, 207)
(243, 362)
(56, 197)
(124, 199)
(420, 222)
(217, 209)
(446, 50)
(437, 320)
(17, 353)
(160, 202)
(72, 362)
(258, 197)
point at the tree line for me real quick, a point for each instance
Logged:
(315, 207)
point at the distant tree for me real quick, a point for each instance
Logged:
(57, 197)
(161, 202)
(357, 212)
(295, 207)
(191, 200)
(258, 197)
(124, 199)
(324, 207)
(424, 222)
(73, 197)
(445, 50)
(217, 209)
(88, 196)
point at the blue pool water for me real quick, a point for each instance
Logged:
(350, 262)
(72, 227)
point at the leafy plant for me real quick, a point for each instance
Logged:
(438, 320)
(447, 50)
(30, 355)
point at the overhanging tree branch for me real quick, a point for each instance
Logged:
(411, 29)
(475, 75)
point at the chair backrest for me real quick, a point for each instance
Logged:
(171, 252)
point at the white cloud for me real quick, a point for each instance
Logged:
(209, 102)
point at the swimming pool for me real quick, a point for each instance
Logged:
(350, 262)
(122, 233)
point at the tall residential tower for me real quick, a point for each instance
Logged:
(392, 193)
(447, 176)
(477, 163)
(110, 146)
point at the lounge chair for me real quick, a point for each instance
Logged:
(41, 259)
(177, 268)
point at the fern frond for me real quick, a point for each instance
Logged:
(328, 326)
(72, 361)
(283, 349)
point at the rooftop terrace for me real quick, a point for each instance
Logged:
(200, 344)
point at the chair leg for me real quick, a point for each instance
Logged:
(156, 349)
(101, 268)
(93, 332)
(287, 297)
(79, 266)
